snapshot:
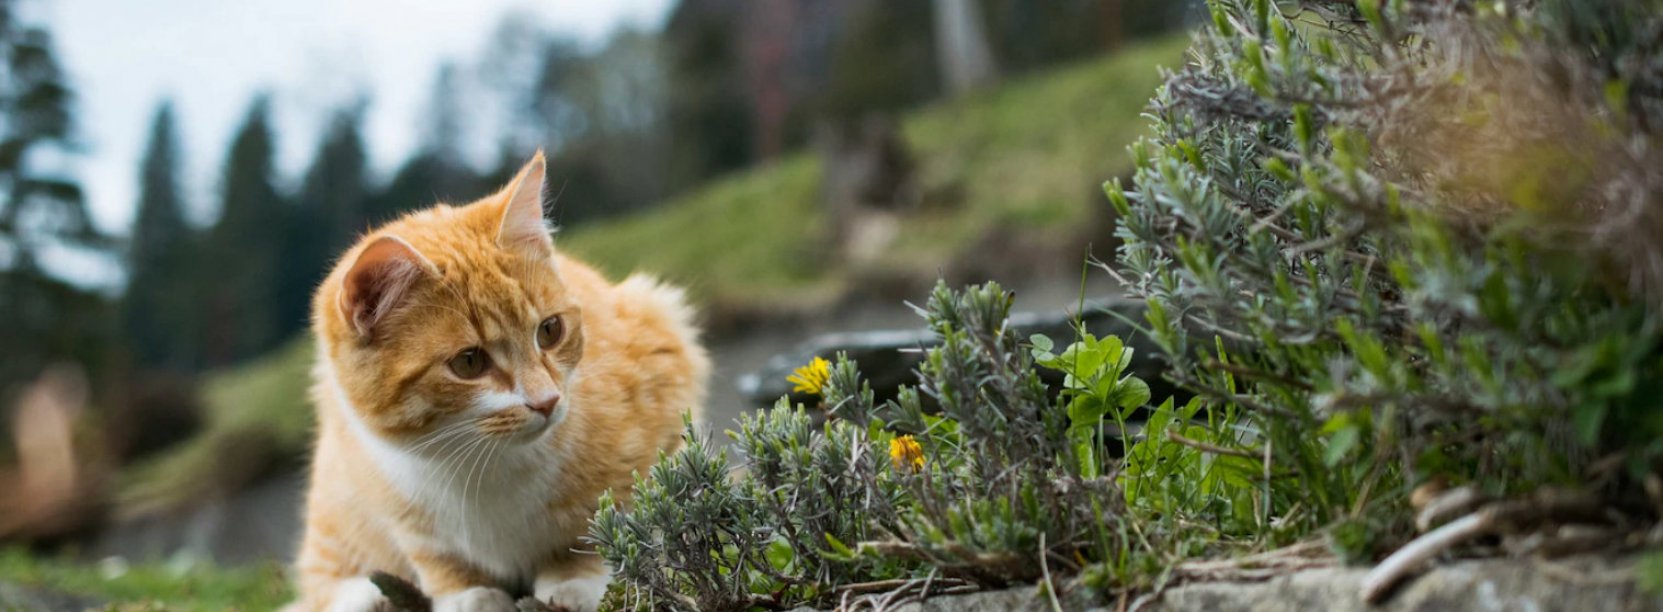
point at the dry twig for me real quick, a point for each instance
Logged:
(1497, 517)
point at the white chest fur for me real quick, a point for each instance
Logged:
(488, 499)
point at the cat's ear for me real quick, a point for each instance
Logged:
(522, 224)
(378, 281)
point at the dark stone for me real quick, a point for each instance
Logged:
(887, 358)
(20, 598)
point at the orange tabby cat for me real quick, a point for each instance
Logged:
(476, 393)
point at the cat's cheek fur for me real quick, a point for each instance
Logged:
(488, 402)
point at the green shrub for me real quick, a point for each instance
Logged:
(978, 476)
(1429, 235)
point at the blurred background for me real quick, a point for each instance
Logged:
(176, 175)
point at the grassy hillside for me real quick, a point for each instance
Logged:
(1027, 157)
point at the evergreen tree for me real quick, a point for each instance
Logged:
(1029, 35)
(160, 313)
(41, 208)
(330, 212)
(245, 248)
(884, 62)
(709, 117)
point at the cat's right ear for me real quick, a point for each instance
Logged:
(378, 281)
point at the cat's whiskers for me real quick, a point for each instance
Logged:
(443, 433)
(485, 472)
(476, 445)
(484, 457)
(454, 462)
(428, 484)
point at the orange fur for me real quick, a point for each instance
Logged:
(464, 486)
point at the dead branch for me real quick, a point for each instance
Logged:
(1498, 517)
(1452, 503)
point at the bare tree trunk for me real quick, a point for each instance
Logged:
(1114, 27)
(961, 44)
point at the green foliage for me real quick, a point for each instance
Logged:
(1092, 381)
(158, 586)
(1361, 215)
(990, 478)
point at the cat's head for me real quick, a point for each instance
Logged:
(453, 323)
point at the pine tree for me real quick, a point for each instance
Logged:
(45, 318)
(709, 115)
(245, 248)
(160, 312)
(884, 62)
(330, 212)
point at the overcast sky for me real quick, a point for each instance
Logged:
(210, 56)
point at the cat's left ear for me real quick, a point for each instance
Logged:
(377, 282)
(522, 224)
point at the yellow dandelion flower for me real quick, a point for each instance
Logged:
(906, 453)
(811, 378)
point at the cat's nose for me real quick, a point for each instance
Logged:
(545, 405)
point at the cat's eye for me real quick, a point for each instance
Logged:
(471, 363)
(549, 332)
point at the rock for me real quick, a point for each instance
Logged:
(1589, 583)
(888, 357)
(19, 598)
(56, 490)
(254, 524)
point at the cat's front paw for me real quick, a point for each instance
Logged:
(476, 599)
(357, 595)
(577, 594)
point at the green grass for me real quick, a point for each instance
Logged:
(750, 239)
(1028, 157)
(151, 586)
